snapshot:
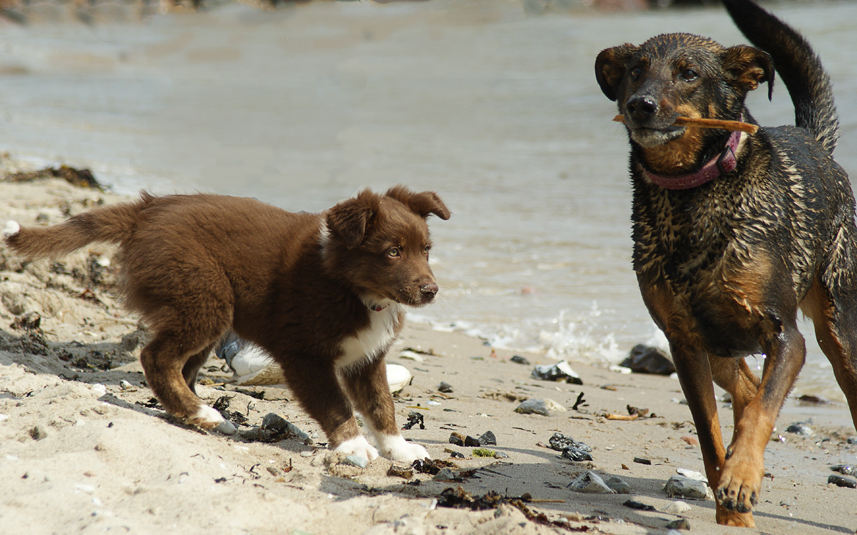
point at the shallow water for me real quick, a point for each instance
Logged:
(494, 108)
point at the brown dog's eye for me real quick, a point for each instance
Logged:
(427, 249)
(394, 253)
(689, 75)
(635, 73)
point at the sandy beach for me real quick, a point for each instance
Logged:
(84, 449)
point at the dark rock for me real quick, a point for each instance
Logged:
(647, 359)
(844, 469)
(576, 455)
(559, 442)
(457, 439)
(559, 372)
(640, 460)
(639, 506)
(38, 433)
(520, 360)
(444, 387)
(487, 439)
(799, 429)
(471, 442)
(841, 481)
(415, 418)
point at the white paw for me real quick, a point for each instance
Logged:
(358, 446)
(396, 448)
(11, 228)
(206, 417)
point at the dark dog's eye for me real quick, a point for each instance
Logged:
(427, 249)
(635, 73)
(394, 253)
(689, 75)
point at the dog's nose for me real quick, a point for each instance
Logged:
(642, 108)
(429, 290)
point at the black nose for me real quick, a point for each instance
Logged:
(429, 290)
(642, 108)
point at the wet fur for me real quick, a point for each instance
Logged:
(725, 267)
(302, 286)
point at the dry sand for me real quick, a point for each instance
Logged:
(82, 449)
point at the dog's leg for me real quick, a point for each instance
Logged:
(192, 366)
(163, 362)
(695, 374)
(734, 376)
(366, 385)
(741, 477)
(836, 333)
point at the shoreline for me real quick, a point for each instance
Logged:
(82, 442)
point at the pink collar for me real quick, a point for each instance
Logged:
(721, 164)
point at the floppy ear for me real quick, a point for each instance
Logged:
(610, 68)
(349, 219)
(747, 67)
(422, 204)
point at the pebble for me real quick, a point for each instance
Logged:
(799, 429)
(590, 482)
(686, 488)
(648, 359)
(677, 507)
(844, 469)
(681, 523)
(842, 481)
(99, 389)
(576, 455)
(89, 489)
(487, 439)
(125, 385)
(357, 460)
(560, 372)
(520, 360)
(559, 442)
(641, 460)
(445, 474)
(851, 440)
(398, 377)
(444, 387)
(539, 406)
(456, 438)
(639, 506)
(411, 355)
(226, 427)
(306, 454)
(691, 474)
(619, 485)
(620, 369)
(38, 433)
(693, 441)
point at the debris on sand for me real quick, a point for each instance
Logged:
(591, 483)
(560, 372)
(539, 406)
(648, 359)
(82, 178)
(842, 481)
(415, 418)
(686, 487)
(570, 448)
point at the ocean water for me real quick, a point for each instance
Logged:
(492, 105)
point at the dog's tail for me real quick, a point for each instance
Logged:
(798, 66)
(112, 224)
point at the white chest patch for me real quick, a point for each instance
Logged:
(369, 342)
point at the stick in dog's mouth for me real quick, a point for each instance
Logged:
(707, 123)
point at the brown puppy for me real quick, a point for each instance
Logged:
(322, 293)
(733, 233)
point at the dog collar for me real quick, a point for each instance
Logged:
(721, 164)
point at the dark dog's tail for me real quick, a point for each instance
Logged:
(798, 66)
(112, 224)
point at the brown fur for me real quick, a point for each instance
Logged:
(724, 267)
(299, 285)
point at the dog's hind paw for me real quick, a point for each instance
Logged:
(396, 448)
(358, 446)
(207, 417)
(11, 228)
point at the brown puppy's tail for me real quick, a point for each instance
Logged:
(798, 66)
(112, 224)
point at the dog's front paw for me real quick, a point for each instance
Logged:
(740, 484)
(396, 448)
(358, 446)
(206, 417)
(11, 228)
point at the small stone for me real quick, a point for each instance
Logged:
(559, 372)
(444, 387)
(226, 427)
(306, 454)
(842, 481)
(575, 454)
(445, 474)
(799, 429)
(680, 523)
(520, 360)
(844, 469)
(691, 474)
(590, 482)
(357, 460)
(38, 433)
(693, 441)
(677, 507)
(639, 506)
(686, 487)
(851, 440)
(539, 406)
(398, 471)
(647, 359)
(471, 442)
(274, 471)
(619, 485)
(641, 460)
(559, 442)
(125, 385)
(500, 455)
(99, 389)
(487, 439)
(456, 438)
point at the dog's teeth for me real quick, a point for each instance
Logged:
(11, 228)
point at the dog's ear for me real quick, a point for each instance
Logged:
(423, 204)
(610, 68)
(350, 218)
(747, 67)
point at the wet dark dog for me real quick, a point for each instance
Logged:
(733, 234)
(322, 293)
